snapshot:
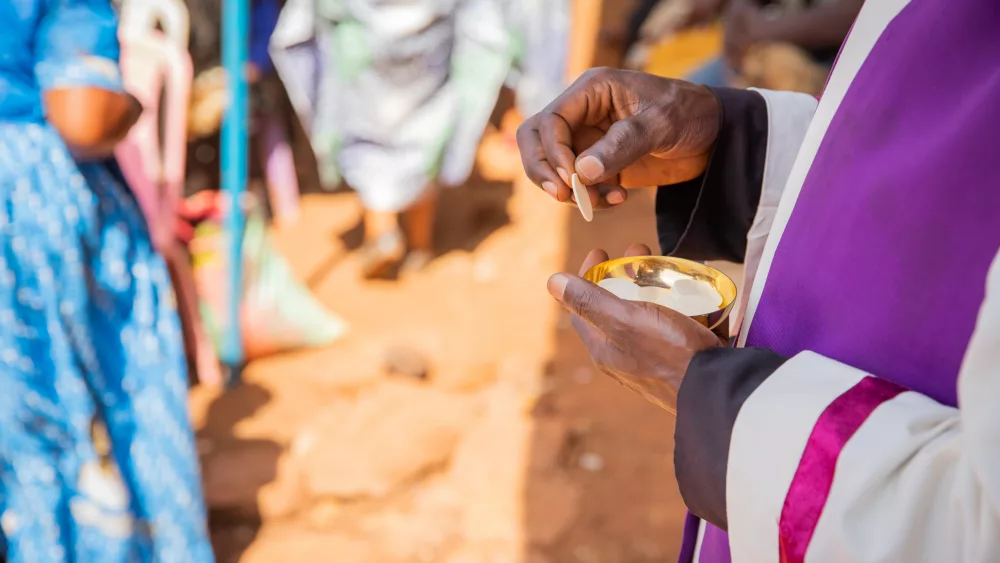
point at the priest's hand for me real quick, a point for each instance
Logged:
(620, 129)
(643, 346)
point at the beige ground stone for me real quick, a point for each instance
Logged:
(285, 495)
(419, 526)
(465, 376)
(369, 446)
(488, 552)
(555, 499)
(296, 545)
(488, 469)
(548, 442)
(324, 514)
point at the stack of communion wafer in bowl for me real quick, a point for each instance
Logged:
(690, 288)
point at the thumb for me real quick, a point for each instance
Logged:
(625, 142)
(593, 304)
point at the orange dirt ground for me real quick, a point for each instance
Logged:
(514, 450)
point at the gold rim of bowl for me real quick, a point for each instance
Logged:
(651, 269)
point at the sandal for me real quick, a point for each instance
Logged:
(415, 261)
(380, 255)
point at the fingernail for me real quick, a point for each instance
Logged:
(615, 197)
(557, 285)
(590, 167)
(551, 189)
(564, 175)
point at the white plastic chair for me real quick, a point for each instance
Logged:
(138, 17)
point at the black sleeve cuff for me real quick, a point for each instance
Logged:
(708, 218)
(716, 385)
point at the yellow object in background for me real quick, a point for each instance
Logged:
(681, 54)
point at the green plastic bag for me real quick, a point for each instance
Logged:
(277, 312)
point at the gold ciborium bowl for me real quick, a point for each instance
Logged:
(662, 271)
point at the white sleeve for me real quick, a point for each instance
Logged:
(830, 464)
(788, 117)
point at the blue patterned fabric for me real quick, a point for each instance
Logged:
(97, 457)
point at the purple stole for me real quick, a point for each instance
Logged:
(883, 262)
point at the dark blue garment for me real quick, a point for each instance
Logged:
(263, 19)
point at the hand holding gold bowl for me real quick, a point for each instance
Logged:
(640, 343)
(662, 274)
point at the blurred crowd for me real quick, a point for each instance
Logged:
(779, 44)
(109, 171)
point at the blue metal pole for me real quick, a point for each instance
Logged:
(235, 47)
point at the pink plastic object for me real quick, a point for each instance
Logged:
(150, 62)
(282, 181)
(156, 173)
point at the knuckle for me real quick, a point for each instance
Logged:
(585, 303)
(658, 115)
(590, 75)
(639, 128)
(612, 347)
(597, 75)
(627, 141)
(523, 134)
(601, 73)
(531, 171)
(547, 122)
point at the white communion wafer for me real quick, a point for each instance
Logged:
(691, 288)
(582, 198)
(653, 294)
(621, 288)
(691, 301)
(691, 305)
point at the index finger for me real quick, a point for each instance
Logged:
(583, 105)
(557, 138)
(535, 161)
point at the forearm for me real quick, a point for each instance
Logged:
(91, 121)
(824, 26)
(123, 118)
(717, 383)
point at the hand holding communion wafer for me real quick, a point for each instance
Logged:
(619, 129)
(642, 345)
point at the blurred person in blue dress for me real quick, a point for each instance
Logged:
(97, 457)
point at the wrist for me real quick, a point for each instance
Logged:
(705, 340)
(706, 343)
(717, 112)
(699, 115)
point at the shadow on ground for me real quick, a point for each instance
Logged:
(235, 470)
(616, 449)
